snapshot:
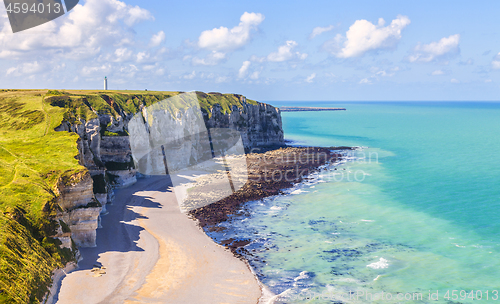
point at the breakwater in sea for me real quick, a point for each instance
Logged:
(308, 109)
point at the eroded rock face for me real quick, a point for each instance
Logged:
(83, 223)
(80, 210)
(115, 149)
(76, 194)
(260, 125)
(93, 136)
(102, 198)
(123, 178)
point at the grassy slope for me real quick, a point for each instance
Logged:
(33, 158)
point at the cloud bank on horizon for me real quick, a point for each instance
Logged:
(260, 53)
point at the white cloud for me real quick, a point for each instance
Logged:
(285, 53)
(213, 58)
(25, 69)
(142, 56)
(364, 36)
(453, 80)
(90, 71)
(96, 38)
(469, 61)
(221, 79)
(224, 39)
(134, 14)
(148, 67)
(82, 34)
(254, 58)
(495, 64)
(365, 81)
(190, 76)
(255, 75)
(311, 77)
(488, 81)
(154, 68)
(122, 54)
(157, 39)
(437, 72)
(320, 30)
(243, 71)
(130, 69)
(383, 73)
(435, 50)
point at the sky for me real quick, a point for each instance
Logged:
(266, 50)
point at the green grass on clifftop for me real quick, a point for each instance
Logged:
(32, 159)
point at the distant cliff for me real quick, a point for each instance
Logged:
(309, 109)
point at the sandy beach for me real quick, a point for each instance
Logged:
(149, 252)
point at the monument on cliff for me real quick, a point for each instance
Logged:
(105, 83)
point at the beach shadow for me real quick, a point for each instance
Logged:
(119, 231)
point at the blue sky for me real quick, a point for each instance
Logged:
(266, 50)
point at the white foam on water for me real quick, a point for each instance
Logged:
(368, 220)
(275, 298)
(349, 280)
(302, 275)
(298, 191)
(381, 264)
(276, 208)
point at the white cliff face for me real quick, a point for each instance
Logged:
(75, 195)
(178, 139)
(80, 210)
(93, 136)
(260, 125)
(83, 223)
(115, 149)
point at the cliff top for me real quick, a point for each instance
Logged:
(129, 102)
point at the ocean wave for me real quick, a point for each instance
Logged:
(349, 280)
(381, 264)
(302, 275)
(298, 191)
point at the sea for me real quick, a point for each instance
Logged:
(411, 216)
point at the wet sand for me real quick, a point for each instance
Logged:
(269, 173)
(149, 252)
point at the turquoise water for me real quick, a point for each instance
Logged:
(416, 211)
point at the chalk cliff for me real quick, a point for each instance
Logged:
(104, 148)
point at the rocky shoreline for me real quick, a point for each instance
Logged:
(269, 172)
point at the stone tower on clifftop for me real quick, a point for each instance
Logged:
(105, 83)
